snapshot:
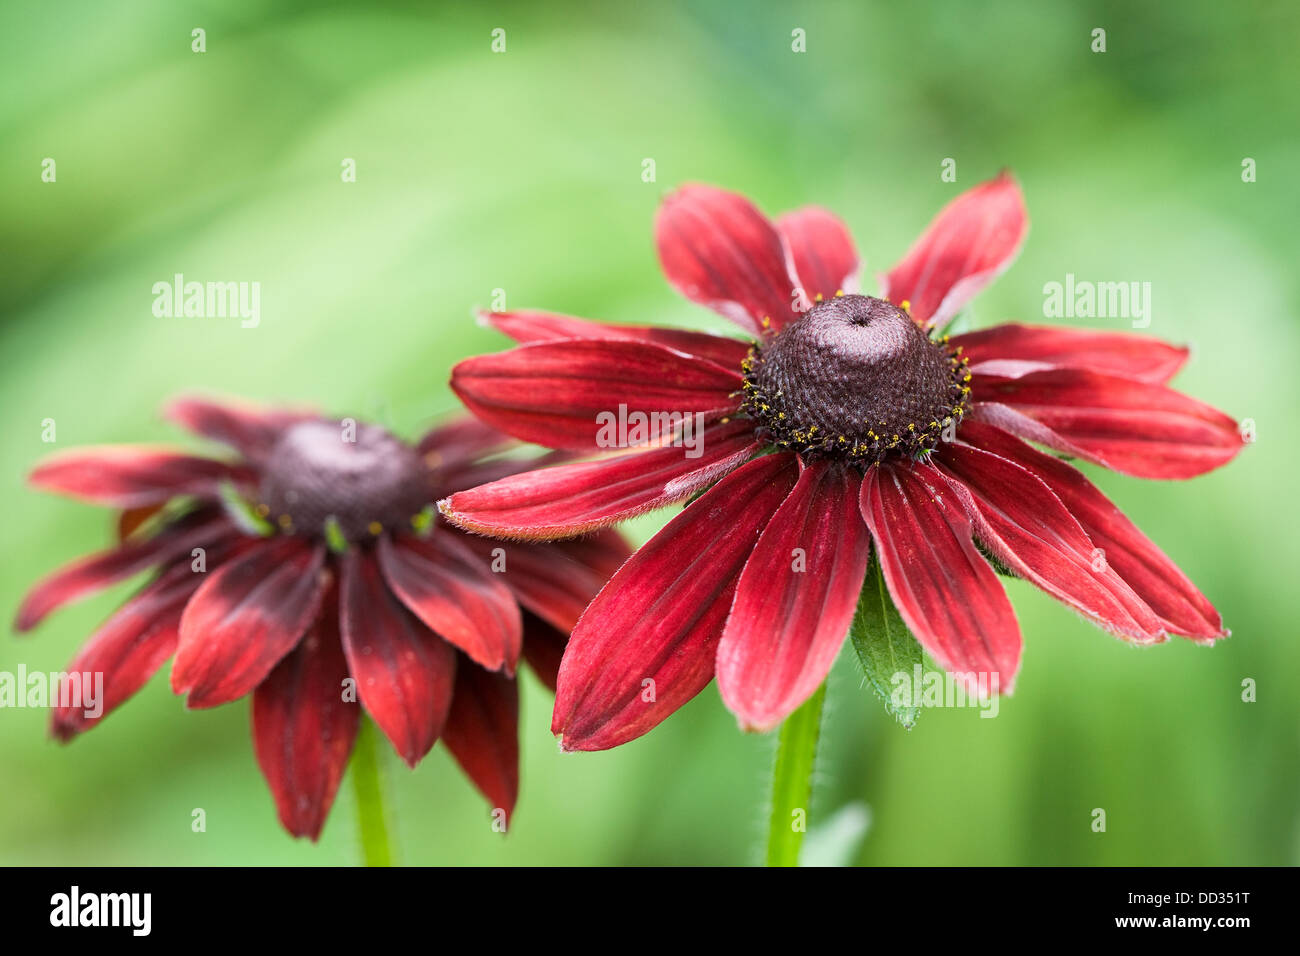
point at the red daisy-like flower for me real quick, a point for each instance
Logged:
(881, 434)
(353, 590)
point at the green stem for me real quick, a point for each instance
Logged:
(368, 785)
(796, 753)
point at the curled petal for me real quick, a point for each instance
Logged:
(245, 617)
(824, 257)
(482, 733)
(527, 327)
(648, 642)
(452, 591)
(795, 599)
(125, 476)
(573, 499)
(721, 252)
(942, 586)
(972, 241)
(404, 672)
(1012, 350)
(303, 728)
(1126, 550)
(560, 394)
(1148, 431)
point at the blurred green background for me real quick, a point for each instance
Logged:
(521, 171)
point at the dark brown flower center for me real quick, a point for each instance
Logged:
(359, 476)
(855, 378)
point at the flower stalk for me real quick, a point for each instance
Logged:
(368, 787)
(796, 754)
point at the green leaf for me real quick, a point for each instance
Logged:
(884, 644)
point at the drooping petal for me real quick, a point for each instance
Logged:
(648, 642)
(558, 394)
(128, 649)
(244, 619)
(1148, 431)
(530, 326)
(718, 250)
(1130, 553)
(795, 599)
(825, 260)
(404, 672)
(87, 576)
(1013, 349)
(482, 733)
(972, 240)
(452, 591)
(1022, 522)
(250, 429)
(303, 728)
(577, 498)
(944, 589)
(543, 648)
(133, 476)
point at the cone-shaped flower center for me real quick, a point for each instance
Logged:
(362, 477)
(855, 378)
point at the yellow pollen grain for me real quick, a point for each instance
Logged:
(285, 522)
(375, 528)
(838, 293)
(818, 297)
(906, 305)
(263, 510)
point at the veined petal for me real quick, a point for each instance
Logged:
(795, 599)
(558, 394)
(972, 241)
(573, 499)
(648, 642)
(1013, 349)
(718, 250)
(303, 729)
(129, 648)
(482, 733)
(250, 429)
(942, 586)
(1130, 553)
(825, 260)
(245, 618)
(1025, 525)
(404, 672)
(87, 576)
(448, 588)
(133, 476)
(1148, 431)
(530, 326)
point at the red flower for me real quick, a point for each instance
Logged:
(357, 583)
(880, 432)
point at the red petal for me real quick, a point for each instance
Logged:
(448, 588)
(944, 589)
(543, 648)
(482, 733)
(1145, 430)
(719, 251)
(1012, 350)
(1142, 565)
(404, 672)
(1029, 530)
(792, 610)
(303, 729)
(527, 327)
(972, 240)
(245, 618)
(660, 618)
(573, 499)
(130, 647)
(248, 428)
(126, 476)
(461, 442)
(88, 576)
(552, 392)
(824, 258)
